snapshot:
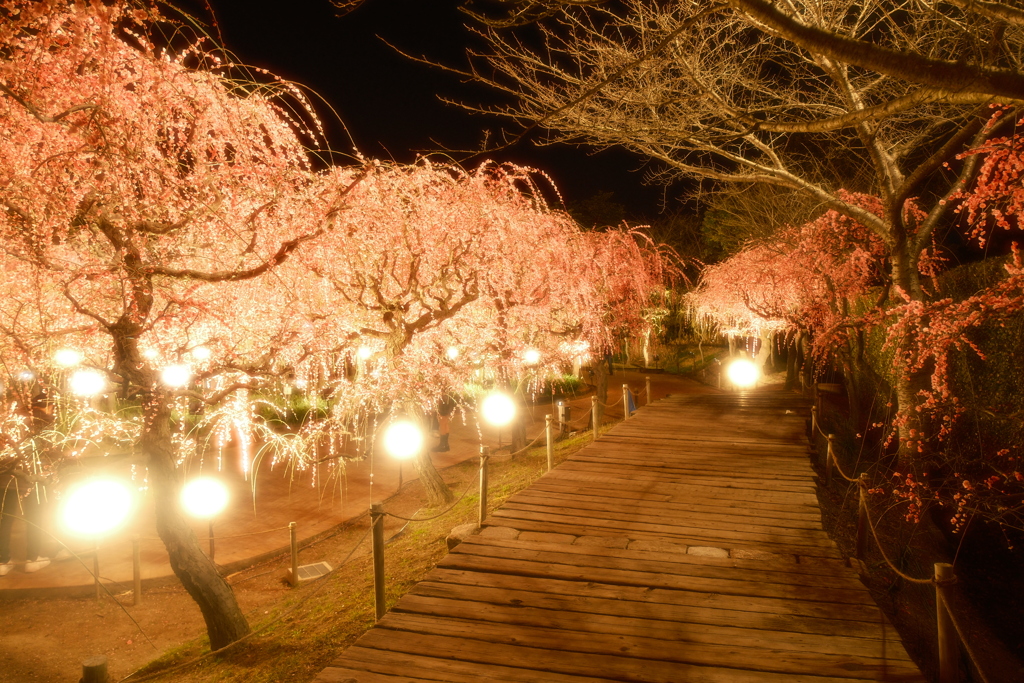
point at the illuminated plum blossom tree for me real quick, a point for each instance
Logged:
(145, 196)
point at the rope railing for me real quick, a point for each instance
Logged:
(320, 581)
(377, 515)
(438, 515)
(941, 579)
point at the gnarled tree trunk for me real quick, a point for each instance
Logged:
(225, 622)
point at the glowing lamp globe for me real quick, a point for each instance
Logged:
(498, 409)
(452, 353)
(67, 358)
(742, 373)
(86, 383)
(531, 357)
(201, 353)
(149, 354)
(364, 352)
(26, 375)
(204, 497)
(176, 376)
(403, 439)
(96, 507)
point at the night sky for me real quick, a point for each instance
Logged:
(390, 104)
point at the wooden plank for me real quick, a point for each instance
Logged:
(567, 638)
(537, 496)
(691, 536)
(437, 666)
(859, 621)
(705, 521)
(618, 494)
(676, 564)
(724, 532)
(615, 623)
(335, 674)
(605, 590)
(620, 668)
(625, 577)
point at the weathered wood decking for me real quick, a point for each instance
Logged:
(685, 545)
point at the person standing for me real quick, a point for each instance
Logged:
(444, 424)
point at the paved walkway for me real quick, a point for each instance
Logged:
(278, 500)
(685, 545)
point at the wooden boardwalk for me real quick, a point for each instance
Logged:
(684, 546)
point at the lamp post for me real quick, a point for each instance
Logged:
(499, 410)
(742, 373)
(94, 508)
(205, 498)
(403, 440)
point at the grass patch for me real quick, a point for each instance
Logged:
(301, 631)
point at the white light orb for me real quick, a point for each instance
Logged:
(204, 497)
(201, 353)
(403, 439)
(301, 384)
(498, 409)
(149, 354)
(742, 373)
(87, 383)
(364, 352)
(452, 353)
(176, 376)
(531, 356)
(67, 358)
(96, 507)
(26, 375)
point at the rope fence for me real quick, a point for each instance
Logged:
(949, 631)
(375, 532)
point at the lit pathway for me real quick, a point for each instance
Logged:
(684, 546)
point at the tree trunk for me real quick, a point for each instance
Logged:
(225, 622)
(792, 355)
(438, 493)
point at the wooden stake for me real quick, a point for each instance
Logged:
(862, 518)
(136, 570)
(94, 670)
(484, 456)
(625, 401)
(828, 460)
(293, 537)
(550, 440)
(593, 414)
(648, 381)
(377, 526)
(949, 655)
(96, 569)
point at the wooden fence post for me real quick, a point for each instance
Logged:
(484, 456)
(96, 569)
(377, 525)
(625, 401)
(862, 517)
(293, 539)
(550, 441)
(94, 670)
(136, 570)
(949, 655)
(593, 414)
(814, 423)
(829, 455)
(648, 381)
